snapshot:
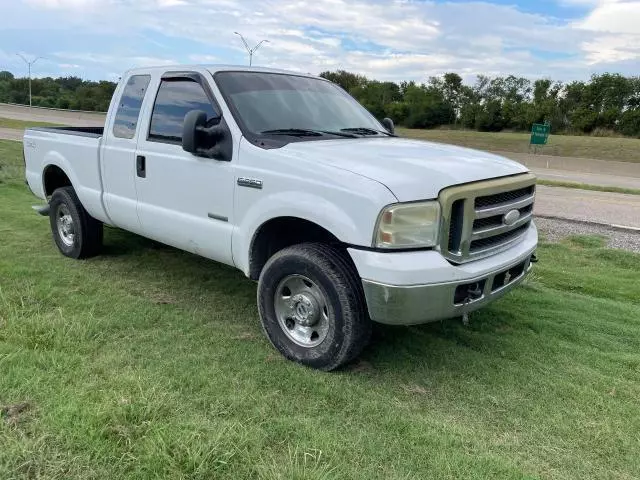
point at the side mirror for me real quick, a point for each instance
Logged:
(209, 142)
(388, 124)
(194, 122)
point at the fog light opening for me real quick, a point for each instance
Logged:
(468, 292)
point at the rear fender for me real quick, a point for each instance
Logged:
(56, 159)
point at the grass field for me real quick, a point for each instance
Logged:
(147, 362)
(22, 124)
(604, 148)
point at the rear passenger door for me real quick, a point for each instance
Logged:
(183, 200)
(118, 155)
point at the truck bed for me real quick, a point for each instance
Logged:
(80, 131)
(74, 150)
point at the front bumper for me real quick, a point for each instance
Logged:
(395, 295)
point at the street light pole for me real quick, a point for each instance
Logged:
(251, 51)
(29, 63)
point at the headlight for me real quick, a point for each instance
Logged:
(408, 225)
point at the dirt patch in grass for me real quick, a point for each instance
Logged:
(12, 414)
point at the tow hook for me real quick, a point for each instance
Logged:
(534, 259)
(473, 293)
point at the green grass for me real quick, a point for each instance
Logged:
(604, 148)
(147, 362)
(586, 186)
(22, 124)
(11, 163)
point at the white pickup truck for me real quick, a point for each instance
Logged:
(289, 179)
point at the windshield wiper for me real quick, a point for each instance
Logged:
(296, 132)
(305, 132)
(366, 131)
(339, 134)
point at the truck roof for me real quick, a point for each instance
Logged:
(213, 68)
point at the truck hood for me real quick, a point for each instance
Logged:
(411, 169)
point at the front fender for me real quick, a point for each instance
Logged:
(306, 206)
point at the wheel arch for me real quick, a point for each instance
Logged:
(53, 177)
(337, 224)
(56, 173)
(280, 232)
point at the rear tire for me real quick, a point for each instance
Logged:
(76, 233)
(312, 306)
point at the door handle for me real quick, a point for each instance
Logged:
(141, 167)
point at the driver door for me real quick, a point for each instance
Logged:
(183, 200)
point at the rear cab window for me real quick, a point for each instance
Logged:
(128, 113)
(176, 98)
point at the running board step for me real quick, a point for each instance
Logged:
(42, 209)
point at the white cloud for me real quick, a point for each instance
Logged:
(617, 28)
(204, 59)
(617, 17)
(171, 3)
(612, 49)
(395, 39)
(64, 4)
(127, 62)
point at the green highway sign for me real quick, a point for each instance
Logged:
(539, 133)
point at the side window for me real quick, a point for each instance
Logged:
(126, 121)
(175, 99)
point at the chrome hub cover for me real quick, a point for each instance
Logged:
(302, 311)
(66, 228)
(305, 309)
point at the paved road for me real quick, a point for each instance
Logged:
(10, 134)
(600, 207)
(63, 117)
(576, 164)
(585, 177)
(580, 170)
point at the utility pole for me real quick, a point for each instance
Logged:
(251, 51)
(29, 63)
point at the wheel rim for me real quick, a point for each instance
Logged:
(66, 228)
(301, 308)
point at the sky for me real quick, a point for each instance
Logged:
(385, 40)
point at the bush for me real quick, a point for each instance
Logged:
(630, 123)
(490, 119)
(584, 119)
(604, 132)
(67, 92)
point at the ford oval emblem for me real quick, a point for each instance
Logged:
(511, 217)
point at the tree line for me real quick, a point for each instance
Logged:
(608, 102)
(605, 103)
(64, 92)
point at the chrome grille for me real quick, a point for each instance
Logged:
(503, 197)
(482, 243)
(474, 224)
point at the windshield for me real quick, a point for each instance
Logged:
(286, 104)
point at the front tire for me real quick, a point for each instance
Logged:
(312, 306)
(76, 233)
